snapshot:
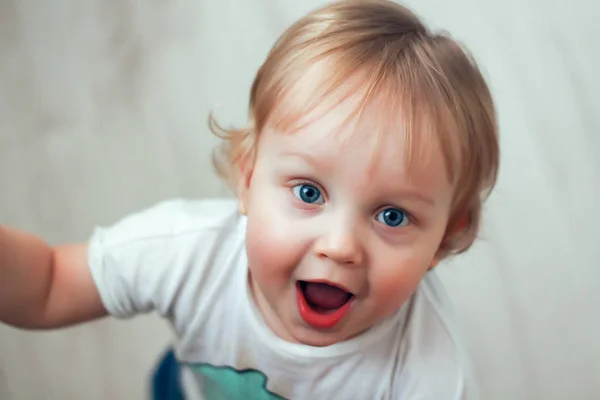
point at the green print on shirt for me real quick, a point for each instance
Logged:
(226, 383)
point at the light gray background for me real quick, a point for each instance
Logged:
(103, 107)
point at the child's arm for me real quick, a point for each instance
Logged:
(43, 287)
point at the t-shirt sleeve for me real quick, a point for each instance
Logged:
(159, 259)
(435, 362)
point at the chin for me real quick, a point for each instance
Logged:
(315, 338)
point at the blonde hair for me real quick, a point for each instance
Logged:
(425, 77)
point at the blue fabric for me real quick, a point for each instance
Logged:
(166, 382)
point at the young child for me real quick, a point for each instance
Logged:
(370, 146)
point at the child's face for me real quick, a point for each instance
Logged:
(326, 208)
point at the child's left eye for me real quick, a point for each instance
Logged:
(393, 217)
(308, 193)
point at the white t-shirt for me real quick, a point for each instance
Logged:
(186, 260)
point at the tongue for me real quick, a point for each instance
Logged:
(325, 296)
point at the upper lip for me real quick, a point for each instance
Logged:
(335, 284)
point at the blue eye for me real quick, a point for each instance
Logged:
(308, 194)
(393, 217)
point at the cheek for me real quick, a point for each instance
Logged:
(272, 248)
(393, 284)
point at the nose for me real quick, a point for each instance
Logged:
(341, 243)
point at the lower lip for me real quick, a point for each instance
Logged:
(320, 320)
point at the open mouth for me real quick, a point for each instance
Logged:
(322, 304)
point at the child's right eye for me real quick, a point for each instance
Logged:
(308, 194)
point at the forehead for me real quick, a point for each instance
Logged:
(359, 108)
(371, 146)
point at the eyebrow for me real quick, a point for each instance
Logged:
(409, 195)
(308, 158)
(416, 196)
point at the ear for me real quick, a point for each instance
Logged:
(458, 227)
(243, 186)
(461, 225)
(434, 263)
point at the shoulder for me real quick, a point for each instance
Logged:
(434, 360)
(171, 218)
(165, 257)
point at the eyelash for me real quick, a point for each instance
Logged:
(411, 219)
(297, 182)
